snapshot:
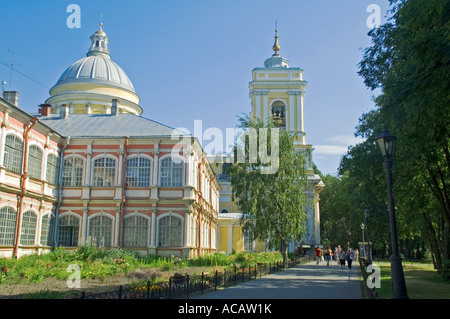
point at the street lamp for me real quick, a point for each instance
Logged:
(386, 141)
(364, 244)
(366, 214)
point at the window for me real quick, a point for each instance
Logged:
(8, 218)
(170, 232)
(69, 227)
(138, 172)
(35, 162)
(73, 171)
(52, 169)
(104, 171)
(278, 114)
(13, 153)
(28, 233)
(248, 243)
(135, 231)
(47, 229)
(171, 173)
(100, 231)
(224, 211)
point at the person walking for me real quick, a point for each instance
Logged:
(318, 255)
(349, 257)
(326, 255)
(337, 253)
(342, 258)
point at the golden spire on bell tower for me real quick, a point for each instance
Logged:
(276, 46)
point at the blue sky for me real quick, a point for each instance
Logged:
(192, 59)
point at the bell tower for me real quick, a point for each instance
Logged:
(276, 94)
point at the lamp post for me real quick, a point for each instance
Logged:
(386, 141)
(364, 244)
(369, 256)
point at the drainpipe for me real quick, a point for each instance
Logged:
(122, 203)
(60, 192)
(201, 207)
(23, 178)
(212, 209)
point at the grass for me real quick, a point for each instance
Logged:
(422, 282)
(46, 272)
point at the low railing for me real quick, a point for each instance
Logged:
(370, 292)
(188, 286)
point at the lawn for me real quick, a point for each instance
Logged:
(100, 269)
(422, 282)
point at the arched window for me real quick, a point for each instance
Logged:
(100, 231)
(8, 219)
(279, 114)
(52, 169)
(224, 211)
(138, 172)
(28, 233)
(104, 171)
(73, 171)
(13, 153)
(171, 172)
(170, 231)
(135, 231)
(35, 162)
(69, 227)
(47, 229)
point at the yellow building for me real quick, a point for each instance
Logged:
(276, 94)
(230, 237)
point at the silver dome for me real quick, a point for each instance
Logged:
(96, 69)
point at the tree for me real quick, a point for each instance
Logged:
(409, 60)
(272, 202)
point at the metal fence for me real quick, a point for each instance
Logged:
(189, 286)
(370, 292)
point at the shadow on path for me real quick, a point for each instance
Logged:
(309, 281)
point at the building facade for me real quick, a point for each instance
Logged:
(89, 169)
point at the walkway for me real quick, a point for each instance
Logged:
(308, 281)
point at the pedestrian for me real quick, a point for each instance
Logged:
(318, 255)
(328, 254)
(356, 254)
(337, 253)
(342, 258)
(349, 257)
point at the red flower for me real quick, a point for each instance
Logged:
(48, 265)
(6, 269)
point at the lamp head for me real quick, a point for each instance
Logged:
(386, 142)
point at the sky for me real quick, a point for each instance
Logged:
(192, 60)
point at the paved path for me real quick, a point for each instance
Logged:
(308, 281)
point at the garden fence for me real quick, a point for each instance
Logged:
(188, 286)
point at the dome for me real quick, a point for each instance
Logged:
(96, 69)
(90, 84)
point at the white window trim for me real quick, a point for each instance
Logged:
(173, 214)
(149, 219)
(116, 168)
(80, 223)
(83, 175)
(183, 173)
(113, 222)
